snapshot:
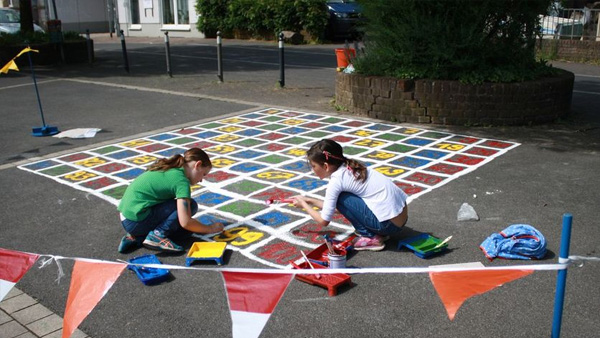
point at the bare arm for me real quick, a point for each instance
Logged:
(184, 214)
(307, 203)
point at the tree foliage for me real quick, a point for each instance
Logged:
(468, 40)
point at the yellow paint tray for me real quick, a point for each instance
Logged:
(202, 251)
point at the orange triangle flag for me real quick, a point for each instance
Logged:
(455, 287)
(90, 281)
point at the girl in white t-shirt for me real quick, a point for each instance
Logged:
(374, 205)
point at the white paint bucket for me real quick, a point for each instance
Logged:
(337, 261)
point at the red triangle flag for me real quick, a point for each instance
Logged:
(455, 287)
(90, 281)
(252, 298)
(13, 266)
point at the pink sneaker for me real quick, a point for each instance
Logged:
(376, 243)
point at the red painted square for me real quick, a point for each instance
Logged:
(252, 123)
(355, 123)
(275, 147)
(464, 159)
(444, 168)
(313, 233)
(409, 189)
(200, 144)
(111, 167)
(481, 151)
(343, 139)
(279, 252)
(153, 147)
(496, 144)
(468, 140)
(219, 176)
(99, 183)
(274, 194)
(312, 125)
(272, 136)
(424, 178)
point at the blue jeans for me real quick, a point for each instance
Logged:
(362, 218)
(162, 217)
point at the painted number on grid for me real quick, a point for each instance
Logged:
(91, 162)
(80, 176)
(296, 152)
(449, 146)
(136, 143)
(221, 149)
(390, 171)
(369, 143)
(381, 155)
(143, 159)
(275, 175)
(292, 122)
(230, 129)
(225, 138)
(238, 236)
(222, 162)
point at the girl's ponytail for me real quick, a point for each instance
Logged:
(178, 160)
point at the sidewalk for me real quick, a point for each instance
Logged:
(23, 317)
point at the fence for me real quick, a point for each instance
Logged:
(571, 23)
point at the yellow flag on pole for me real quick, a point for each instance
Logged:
(12, 64)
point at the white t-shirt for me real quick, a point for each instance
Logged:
(381, 195)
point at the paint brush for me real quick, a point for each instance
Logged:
(272, 200)
(442, 242)
(309, 264)
(329, 244)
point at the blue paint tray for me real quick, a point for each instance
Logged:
(148, 276)
(423, 245)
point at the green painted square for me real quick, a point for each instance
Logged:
(399, 148)
(317, 134)
(332, 120)
(182, 140)
(249, 142)
(245, 187)
(242, 208)
(116, 192)
(353, 150)
(273, 159)
(391, 137)
(106, 150)
(295, 140)
(272, 126)
(58, 171)
(211, 125)
(272, 118)
(433, 134)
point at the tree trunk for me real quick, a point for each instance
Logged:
(26, 16)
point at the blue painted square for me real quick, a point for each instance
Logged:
(248, 154)
(312, 117)
(211, 199)
(293, 130)
(162, 137)
(206, 134)
(433, 154)
(210, 220)
(123, 154)
(249, 132)
(252, 116)
(306, 184)
(301, 166)
(335, 129)
(380, 127)
(417, 141)
(171, 152)
(41, 165)
(410, 162)
(130, 174)
(247, 167)
(273, 218)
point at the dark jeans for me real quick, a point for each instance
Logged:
(162, 217)
(362, 218)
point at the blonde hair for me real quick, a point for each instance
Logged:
(177, 161)
(330, 152)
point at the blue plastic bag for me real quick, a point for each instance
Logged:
(518, 241)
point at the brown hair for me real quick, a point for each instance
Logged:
(330, 152)
(177, 161)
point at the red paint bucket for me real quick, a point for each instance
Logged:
(344, 55)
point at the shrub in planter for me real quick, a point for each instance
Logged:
(74, 47)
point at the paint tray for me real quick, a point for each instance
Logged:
(148, 276)
(331, 282)
(202, 251)
(423, 245)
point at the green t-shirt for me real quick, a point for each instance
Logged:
(151, 188)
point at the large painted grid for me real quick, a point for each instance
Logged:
(261, 155)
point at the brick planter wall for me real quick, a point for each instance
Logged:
(455, 103)
(569, 50)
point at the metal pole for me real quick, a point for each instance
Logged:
(561, 279)
(37, 93)
(125, 60)
(168, 53)
(89, 47)
(219, 57)
(281, 62)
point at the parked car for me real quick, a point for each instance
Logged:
(344, 17)
(10, 21)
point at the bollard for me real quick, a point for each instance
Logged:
(89, 47)
(561, 279)
(281, 62)
(168, 54)
(219, 57)
(124, 51)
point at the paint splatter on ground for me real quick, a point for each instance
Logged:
(260, 155)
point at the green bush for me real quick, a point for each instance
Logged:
(468, 40)
(11, 39)
(262, 18)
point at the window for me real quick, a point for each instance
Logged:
(175, 12)
(135, 12)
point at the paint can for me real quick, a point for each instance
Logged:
(337, 261)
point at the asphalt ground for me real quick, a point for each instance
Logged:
(552, 172)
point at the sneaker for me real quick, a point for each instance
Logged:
(157, 242)
(129, 242)
(376, 243)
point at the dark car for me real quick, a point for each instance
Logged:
(344, 17)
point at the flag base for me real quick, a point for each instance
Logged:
(44, 131)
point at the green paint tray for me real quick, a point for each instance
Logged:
(423, 245)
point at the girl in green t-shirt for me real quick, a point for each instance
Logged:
(158, 203)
